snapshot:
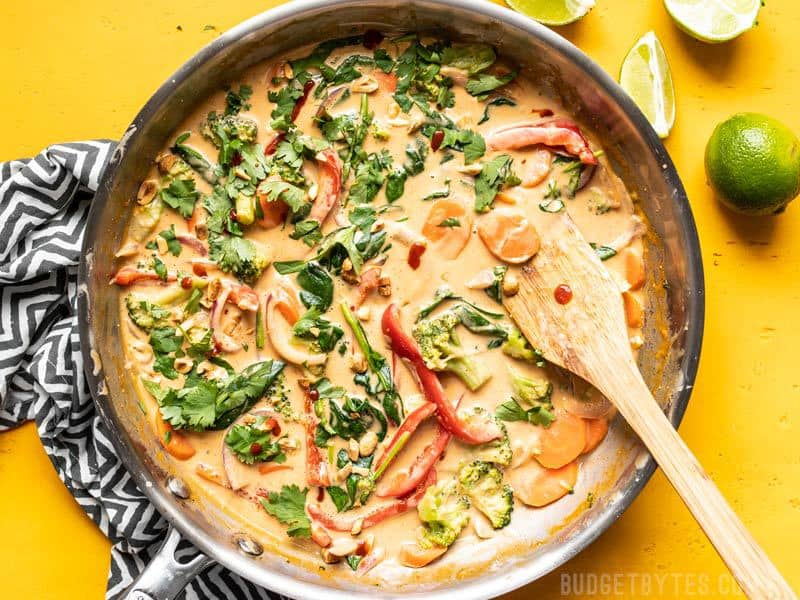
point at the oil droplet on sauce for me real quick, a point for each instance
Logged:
(563, 293)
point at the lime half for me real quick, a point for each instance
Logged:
(714, 20)
(553, 12)
(646, 77)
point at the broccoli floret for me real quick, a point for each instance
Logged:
(242, 257)
(516, 346)
(483, 483)
(530, 391)
(444, 512)
(147, 315)
(442, 350)
(216, 127)
(497, 451)
(172, 168)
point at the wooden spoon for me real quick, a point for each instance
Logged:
(588, 336)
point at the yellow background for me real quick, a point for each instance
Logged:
(82, 69)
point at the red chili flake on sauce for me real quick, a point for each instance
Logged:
(199, 270)
(436, 139)
(543, 112)
(372, 39)
(236, 159)
(320, 494)
(415, 252)
(313, 394)
(256, 448)
(563, 293)
(186, 282)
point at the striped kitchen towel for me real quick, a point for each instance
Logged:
(44, 202)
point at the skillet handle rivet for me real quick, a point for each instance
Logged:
(248, 545)
(177, 487)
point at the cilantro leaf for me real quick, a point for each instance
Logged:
(541, 414)
(494, 174)
(482, 84)
(383, 61)
(160, 268)
(252, 443)
(288, 506)
(239, 256)
(292, 195)
(180, 195)
(284, 100)
(220, 209)
(494, 291)
(450, 222)
(173, 245)
(603, 252)
(499, 101)
(237, 102)
(472, 58)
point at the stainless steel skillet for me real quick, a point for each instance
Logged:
(669, 362)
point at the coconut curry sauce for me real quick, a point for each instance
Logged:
(315, 271)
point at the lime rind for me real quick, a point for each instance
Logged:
(646, 76)
(553, 12)
(714, 21)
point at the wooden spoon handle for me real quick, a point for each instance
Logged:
(748, 563)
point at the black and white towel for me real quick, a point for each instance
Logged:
(44, 202)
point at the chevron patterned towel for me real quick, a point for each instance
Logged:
(44, 202)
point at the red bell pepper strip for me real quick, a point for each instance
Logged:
(342, 522)
(330, 184)
(553, 133)
(402, 483)
(130, 275)
(473, 432)
(273, 145)
(316, 466)
(408, 426)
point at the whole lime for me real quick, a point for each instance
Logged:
(753, 162)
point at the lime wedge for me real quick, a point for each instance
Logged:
(553, 12)
(714, 20)
(646, 77)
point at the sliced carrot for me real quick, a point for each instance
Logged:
(562, 442)
(288, 305)
(634, 267)
(415, 556)
(508, 235)
(387, 81)
(536, 486)
(448, 224)
(274, 212)
(506, 197)
(209, 473)
(634, 311)
(174, 443)
(267, 468)
(596, 430)
(537, 167)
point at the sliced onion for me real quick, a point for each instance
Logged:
(334, 95)
(280, 338)
(223, 341)
(195, 244)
